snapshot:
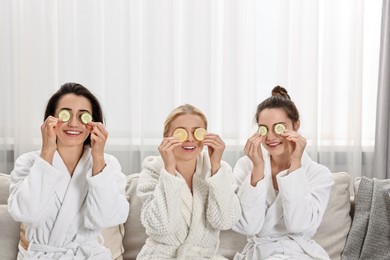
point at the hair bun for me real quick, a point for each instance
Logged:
(279, 91)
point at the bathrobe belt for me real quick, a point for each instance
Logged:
(301, 240)
(74, 248)
(183, 251)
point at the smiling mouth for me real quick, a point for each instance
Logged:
(272, 145)
(188, 148)
(73, 133)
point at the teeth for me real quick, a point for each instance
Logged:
(73, 132)
(189, 147)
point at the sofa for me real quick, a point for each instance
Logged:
(126, 240)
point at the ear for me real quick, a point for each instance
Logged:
(297, 125)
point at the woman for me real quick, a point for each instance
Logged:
(283, 193)
(70, 189)
(188, 194)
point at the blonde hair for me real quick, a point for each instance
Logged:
(182, 110)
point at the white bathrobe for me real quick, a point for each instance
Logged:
(63, 215)
(281, 224)
(181, 224)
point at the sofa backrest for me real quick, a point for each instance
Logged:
(332, 233)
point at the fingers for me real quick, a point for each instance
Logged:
(295, 137)
(168, 144)
(99, 136)
(253, 144)
(214, 141)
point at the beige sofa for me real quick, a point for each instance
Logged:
(126, 240)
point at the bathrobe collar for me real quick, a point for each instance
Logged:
(75, 194)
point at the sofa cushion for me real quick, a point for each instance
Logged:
(4, 188)
(112, 239)
(135, 235)
(9, 235)
(335, 225)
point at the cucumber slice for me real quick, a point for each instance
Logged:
(86, 118)
(180, 134)
(200, 133)
(263, 130)
(64, 115)
(279, 129)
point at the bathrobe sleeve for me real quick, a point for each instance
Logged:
(252, 199)
(223, 209)
(160, 193)
(305, 194)
(106, 203)
(32, 189)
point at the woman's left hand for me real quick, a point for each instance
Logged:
(215, 147)
(99, 137)
(297, 146)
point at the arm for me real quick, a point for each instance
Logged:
(224, 208)
(305, 194)
(252, 199)
(32, 189)
(160, 194)
(106, 202)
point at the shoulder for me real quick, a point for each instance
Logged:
(316, 170)
(27, 159)
(244, 163)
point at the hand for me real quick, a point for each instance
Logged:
(252, 149)
(297, 146)
(49, 130)
(166, 148)
(99, 137)
(215, 147)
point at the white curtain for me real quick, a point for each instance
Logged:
(142, 58)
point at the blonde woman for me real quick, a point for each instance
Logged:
(188, 194)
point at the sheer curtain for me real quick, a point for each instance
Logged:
(381, 168)
(142, 58)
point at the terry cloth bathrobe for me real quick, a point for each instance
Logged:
(281, 224)
(181, 224)
(63, 214)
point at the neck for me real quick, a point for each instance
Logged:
(280, 163)
(71, 156)
(187, 170)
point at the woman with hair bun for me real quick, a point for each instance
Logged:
(283, 193)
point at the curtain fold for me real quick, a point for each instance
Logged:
(381, 164)
(142, 58)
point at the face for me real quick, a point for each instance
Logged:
(191, 147)
(73, 132)
(274, 143)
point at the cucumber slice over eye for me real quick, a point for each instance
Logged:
(200, 133)
(279, 129)
(86, 118)
(263, 130)
(180, 134)
(64, 115)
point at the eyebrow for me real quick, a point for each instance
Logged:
(283, 123)
(81, 110)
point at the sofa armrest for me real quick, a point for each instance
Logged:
(9, 235)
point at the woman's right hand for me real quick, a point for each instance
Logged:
(49, 138)
(166, 148)
(252, 149)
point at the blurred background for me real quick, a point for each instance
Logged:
(142, 58)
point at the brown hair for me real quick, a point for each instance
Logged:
(182, 110)
(279, 99)
(78, 90)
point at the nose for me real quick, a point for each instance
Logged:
(74, 121)
(190, 137)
